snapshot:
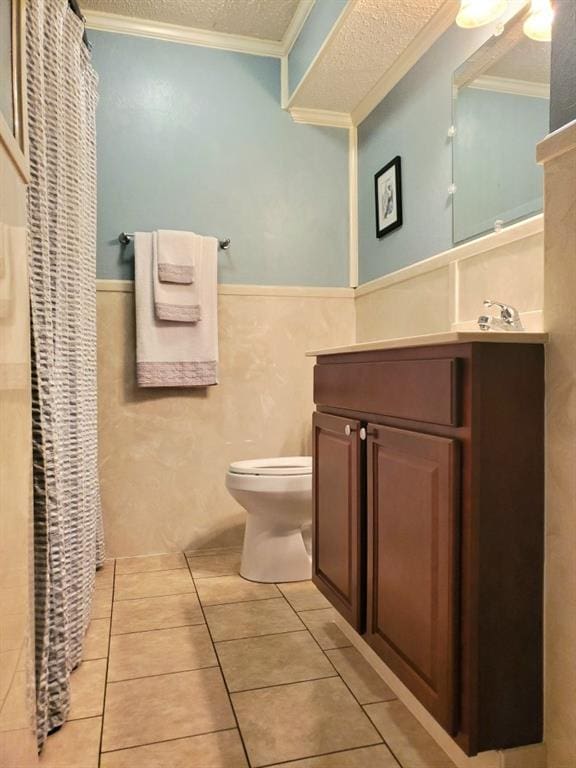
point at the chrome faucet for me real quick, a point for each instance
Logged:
(509, 319)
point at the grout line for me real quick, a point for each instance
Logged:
(157, 629)
(237, 602)
(240, 734)
(147, 597)
(107, 664)
(153, 570)
(165, 741)
(394, 755)
(255, 637)
(283, 685)
(293, 761)
(163, 674)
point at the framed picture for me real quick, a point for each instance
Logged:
(388, 195)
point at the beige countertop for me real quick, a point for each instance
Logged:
(432, 339)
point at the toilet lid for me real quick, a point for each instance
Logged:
(283, 465)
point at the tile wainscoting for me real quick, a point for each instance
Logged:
(164, 453)
(445, 292)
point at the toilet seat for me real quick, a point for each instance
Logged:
(275, 467)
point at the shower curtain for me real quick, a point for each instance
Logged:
(68, 540)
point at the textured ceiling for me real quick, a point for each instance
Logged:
(264, 19)
(374, 34)
(528, 60)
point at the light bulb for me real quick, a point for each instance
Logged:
(538, 25)
(476, 13)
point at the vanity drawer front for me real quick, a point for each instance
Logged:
(419, 390)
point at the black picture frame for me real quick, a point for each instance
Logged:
(391, 175)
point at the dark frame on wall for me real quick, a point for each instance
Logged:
(388, 197)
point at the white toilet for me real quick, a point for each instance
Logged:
(277, 496)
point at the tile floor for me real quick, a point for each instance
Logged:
(186, 665)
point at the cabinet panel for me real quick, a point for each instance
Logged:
(412, 558)
(419, 390)
(338, 553)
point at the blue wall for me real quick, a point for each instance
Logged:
(413, 122)
(495, 167)
(316, 29)
(194, 138)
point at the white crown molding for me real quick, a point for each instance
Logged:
(296, 24)
(353, 205)
(127, 25)
(229, 289)
(515, 87)
(438, 24)
(320, 117)
(524, 229)
(340, 21)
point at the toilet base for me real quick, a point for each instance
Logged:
(275, 555)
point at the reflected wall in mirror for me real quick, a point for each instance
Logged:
(501, 111)
(6, 64)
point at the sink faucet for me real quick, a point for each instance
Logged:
(509, 319)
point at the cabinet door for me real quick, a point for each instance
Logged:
(338, 539)
(412, 562)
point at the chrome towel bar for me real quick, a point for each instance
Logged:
(125, 237)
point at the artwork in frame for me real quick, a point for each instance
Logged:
(388, 196)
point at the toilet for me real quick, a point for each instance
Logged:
(277, 496)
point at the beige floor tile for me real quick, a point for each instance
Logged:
(165, 707)
(105, 575)
(250, 619)
(232, 589)
(301, 720)
(364, 757)
(159, 652)
(156, 613)
(272, 660)
(207, 566)
(87, 689)
(212, 750)
(75, 745)
(303, 596)
(153, 584)
(96, 640)
(411, 744)
(322, 624)
(101, 604)
(148, 563)
(366, 685)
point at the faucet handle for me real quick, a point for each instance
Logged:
(508, 313)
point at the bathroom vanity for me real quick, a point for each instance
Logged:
(429, 520)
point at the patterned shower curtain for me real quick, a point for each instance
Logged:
(62, 254)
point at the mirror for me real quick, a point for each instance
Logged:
(501, 111)
(6, 63)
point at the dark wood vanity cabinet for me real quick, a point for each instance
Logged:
(428, 524)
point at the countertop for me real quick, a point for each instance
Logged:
(432, 339)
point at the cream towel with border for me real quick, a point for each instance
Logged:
(176, 354)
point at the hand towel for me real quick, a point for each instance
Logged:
(172, 354)
(176, 301)
(176, 256)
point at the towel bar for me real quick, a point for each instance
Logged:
(125, 237)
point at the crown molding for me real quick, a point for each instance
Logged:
(515, 87)
(339, 23)
(438, 24)
(320, 117)
(295, 27)
(174, 33)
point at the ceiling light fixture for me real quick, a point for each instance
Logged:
(538, 25)
(476, 13)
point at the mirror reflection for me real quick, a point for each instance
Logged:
(501, 109)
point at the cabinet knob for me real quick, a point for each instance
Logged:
(347, 430)
(363, 433)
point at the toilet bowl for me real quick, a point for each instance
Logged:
(277, 496)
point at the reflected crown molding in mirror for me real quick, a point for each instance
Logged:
(510, 85)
